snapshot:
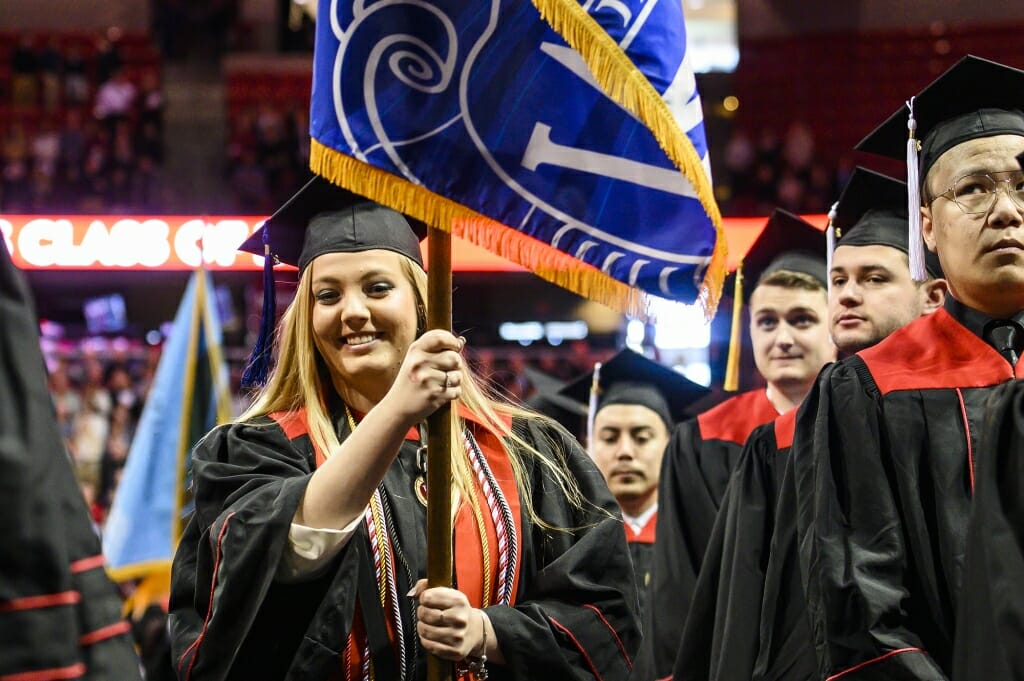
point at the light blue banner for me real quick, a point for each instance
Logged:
(141, 526)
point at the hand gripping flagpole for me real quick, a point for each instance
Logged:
(439, 438)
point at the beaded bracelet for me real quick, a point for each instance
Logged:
(475, 664)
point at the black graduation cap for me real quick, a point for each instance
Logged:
(787, 242)
(320, 218)
(548, 400)
(324, 218)
(872, 211)
(630, 378)
(974, 98)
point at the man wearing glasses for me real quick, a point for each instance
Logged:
(885, 446)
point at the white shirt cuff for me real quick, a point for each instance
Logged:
(311, 549)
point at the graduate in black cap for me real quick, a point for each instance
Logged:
(871, 291)
(547, 398)
(992, 646)
(306, 552)
(749, 618)
(636, 404)
(789, 335)
(885, 447)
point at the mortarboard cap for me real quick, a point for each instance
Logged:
(320, 218)
(788, 243)
(548, 400)
(630, 378)
(872, 211)
(324, 218)
(974, 98)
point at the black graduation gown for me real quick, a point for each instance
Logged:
(748, 618)
(573, 616)
(641, 550)
(883, 458)
(694, 474)
(60, 617)
(990, 643)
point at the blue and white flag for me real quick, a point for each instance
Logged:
(188, 397)
(566, 137)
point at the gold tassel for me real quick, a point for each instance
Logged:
(732, 363)
(626, 85)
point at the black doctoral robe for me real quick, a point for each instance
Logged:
(990, 643)
(60, 617)
(748, 618)
(883, 457)
(573, 616)
(694, 474)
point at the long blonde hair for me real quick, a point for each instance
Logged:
(301, 379)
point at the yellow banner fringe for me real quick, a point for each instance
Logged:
(128, 573)
(422, 204)
(623, 82)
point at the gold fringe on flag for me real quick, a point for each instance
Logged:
(624, 83)
(139, 570)
(422, 204)
(153, 589)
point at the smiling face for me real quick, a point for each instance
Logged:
(982, 255)
(789, 334)
(871, 295)
(629, 443)
(364, 318)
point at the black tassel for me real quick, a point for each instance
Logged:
(257, 371)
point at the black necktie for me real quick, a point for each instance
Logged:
(1007, 337)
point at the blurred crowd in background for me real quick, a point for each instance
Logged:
(82, 116)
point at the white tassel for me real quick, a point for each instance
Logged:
(595, 393)
(830, 243)
(915, 242)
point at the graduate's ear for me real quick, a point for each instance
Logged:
(927, 228)
(933, 295)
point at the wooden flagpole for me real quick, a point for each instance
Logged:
(439, 438)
